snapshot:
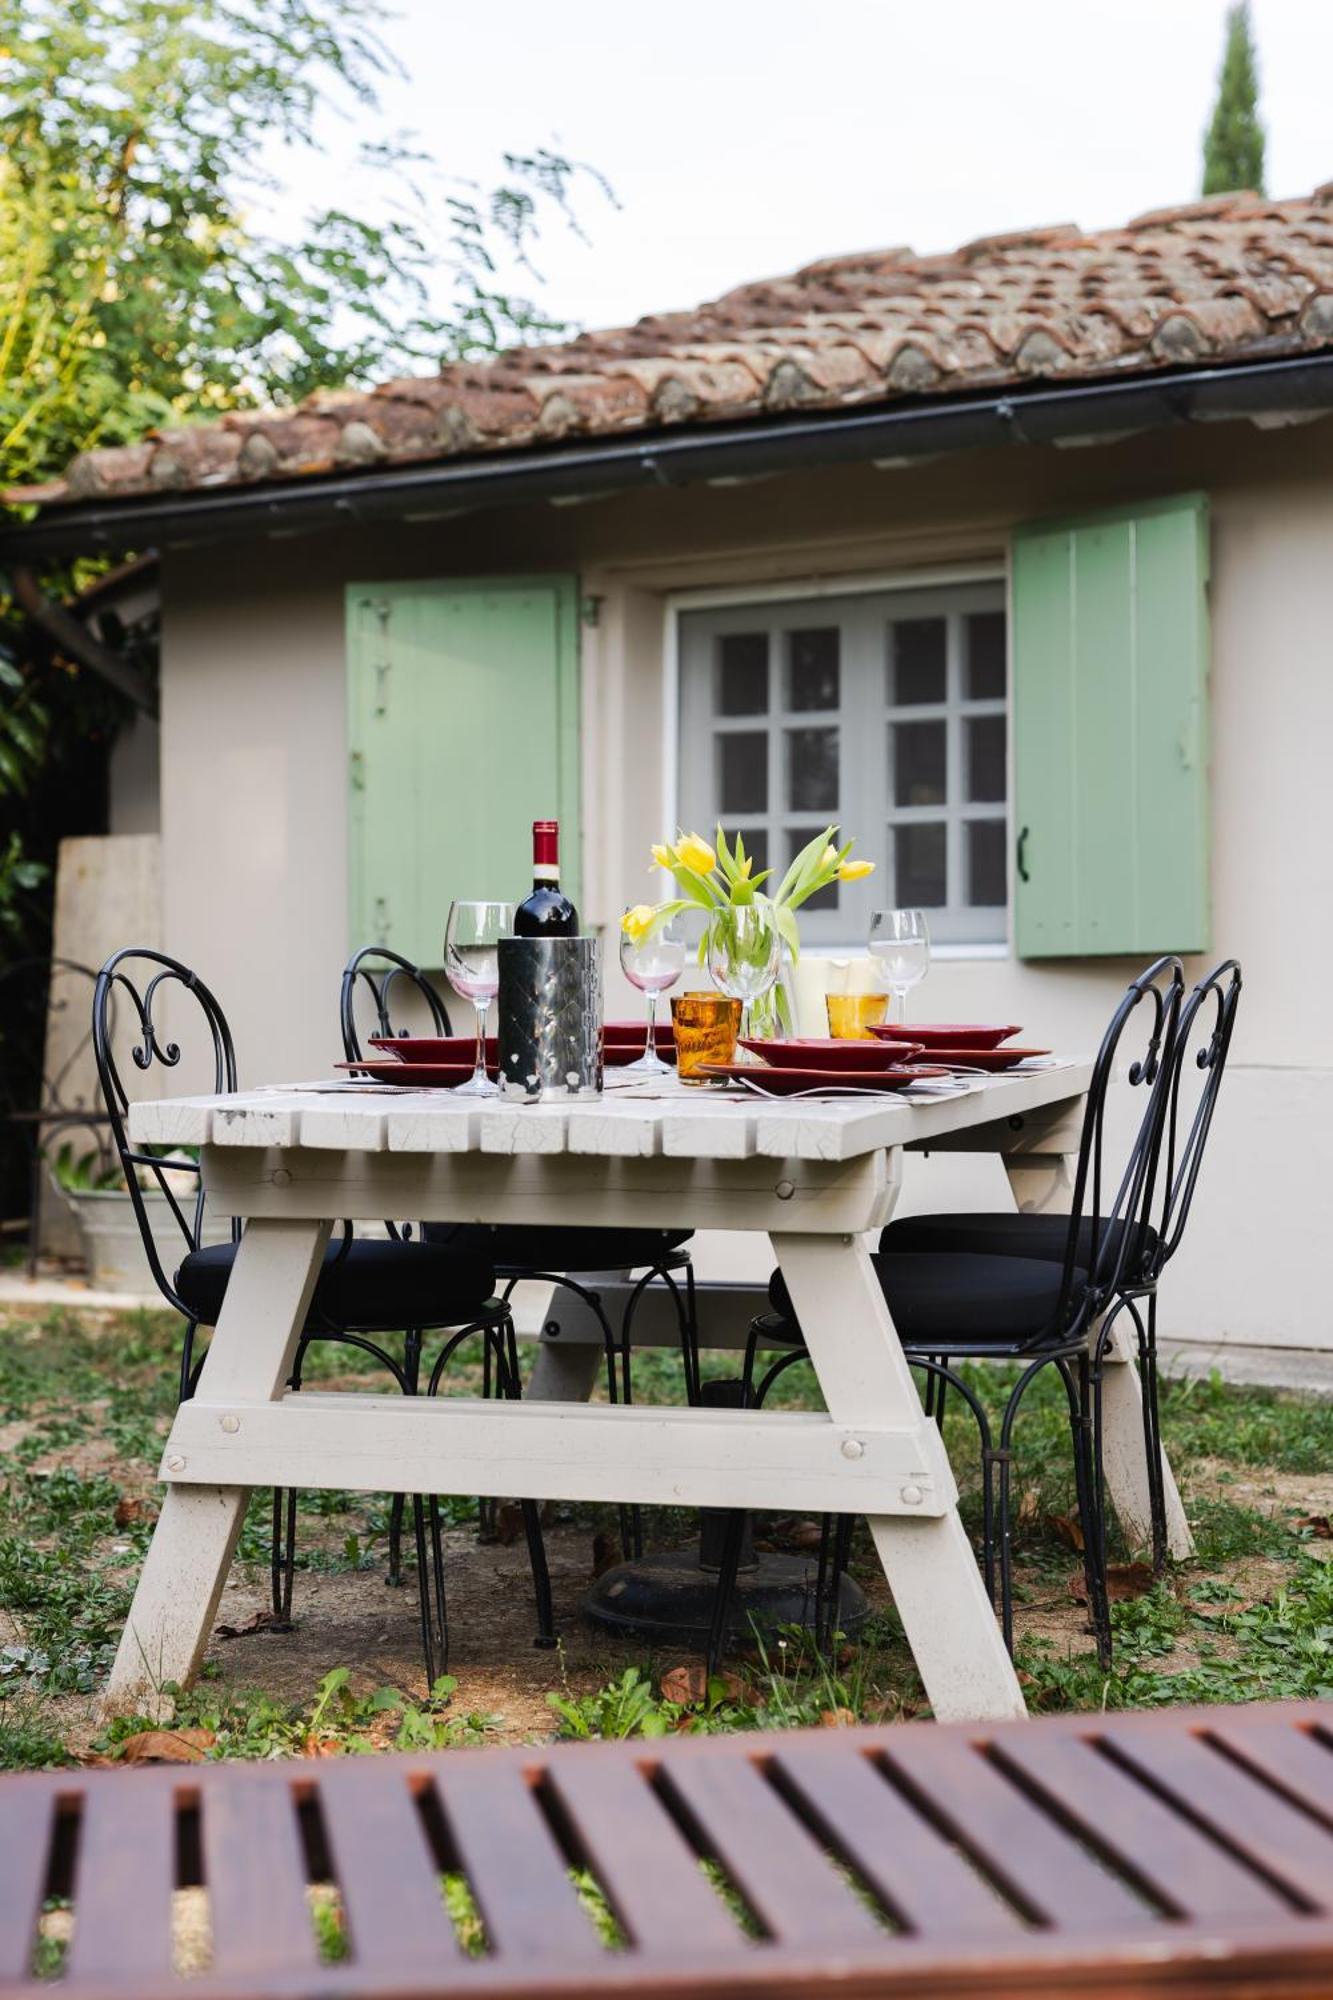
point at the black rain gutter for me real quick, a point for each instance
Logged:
(1301, 384)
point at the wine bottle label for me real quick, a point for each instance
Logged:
(545, 871)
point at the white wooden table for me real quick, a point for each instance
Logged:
(814, 1175)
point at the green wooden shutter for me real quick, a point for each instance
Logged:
(463, 727)
(1110, 673)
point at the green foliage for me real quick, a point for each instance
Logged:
(1233, 146)
(137, 290)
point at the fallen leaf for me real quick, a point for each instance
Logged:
(167, 1746)
(322, 1746)
(688, 1685)
(1319, 1525)
(605, 1553)
(1028, 1502)
(837, 1718)
(259, 1621)
(1066, 1530)
(130, 1512)
(1123, 1580)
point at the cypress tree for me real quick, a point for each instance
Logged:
(1233, 146)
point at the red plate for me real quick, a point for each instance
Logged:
(786, 1082)
(631, 1034)
(827, 1053)
(989, 1059)
(415, 1075)
(948, 1034)
(433, 1048)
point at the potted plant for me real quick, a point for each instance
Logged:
(95, 1191)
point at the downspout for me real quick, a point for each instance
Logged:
(74, 639)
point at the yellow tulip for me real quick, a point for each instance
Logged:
(696, 855)
(637, 923)
(662, 855)
(829, 858)
(747, 867)
(855, 871)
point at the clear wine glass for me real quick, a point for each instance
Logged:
(900, 941)
(744, 953)
(652, 964)
(472, 961)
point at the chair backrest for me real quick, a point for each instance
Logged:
(127, 1003)
(1111, 1218)
(1203, 1037)
(381, 980)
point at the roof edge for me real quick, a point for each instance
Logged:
(929, 427)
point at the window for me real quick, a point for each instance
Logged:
(885, 713)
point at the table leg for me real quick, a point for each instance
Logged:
(251, 1356)
(930, 1564)
(1043, 1184)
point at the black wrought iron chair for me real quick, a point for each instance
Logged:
(1199, 1049)
(366, 1287)
(570, 1258)
(1039, 1311)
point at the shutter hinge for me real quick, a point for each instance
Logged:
(357, 771)
(381, 923)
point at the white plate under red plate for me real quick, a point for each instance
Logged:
(994, 1060)
(787, 1082)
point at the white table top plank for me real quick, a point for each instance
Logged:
(678, 1122)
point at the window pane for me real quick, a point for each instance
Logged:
(812, 668)
(985, 656)
(985, 757)
(812, 770)
(916, 661)
(919, 867)
(986, 887)
(826, 899)
(919, 751)
(742, 772)
(742, 674)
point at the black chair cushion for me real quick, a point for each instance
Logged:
(1005, 1235)
(940, 1304)
(520, 1247)
(379, 1286)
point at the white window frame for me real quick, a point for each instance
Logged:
(792, 589)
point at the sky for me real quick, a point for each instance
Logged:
(745, 139)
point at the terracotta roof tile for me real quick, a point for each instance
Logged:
(1231, 277)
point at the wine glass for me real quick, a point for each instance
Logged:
(744, 952)
(900, 940)
(652, 964)
(472, 960)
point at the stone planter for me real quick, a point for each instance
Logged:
(113, 1246)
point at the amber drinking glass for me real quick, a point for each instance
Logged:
(851, 1016)
(706, 1026)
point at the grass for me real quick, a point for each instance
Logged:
(85, 1404)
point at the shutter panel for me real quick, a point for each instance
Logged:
(463, 727)
(1110, 672)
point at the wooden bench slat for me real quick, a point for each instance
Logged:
(517, 1874)
(1017, 1843)
(1267, 1832)
(1187, 1871)
(1293, 1758)
(920, 1875)
(780, 1869)
(124, 1877)
(255, 1872)
(27, 1821)
(651, 1876)
(384, 1867)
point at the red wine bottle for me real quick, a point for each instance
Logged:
(547, 912)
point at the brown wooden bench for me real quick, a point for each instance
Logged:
(1187, 1853)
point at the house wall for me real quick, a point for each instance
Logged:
(254, 777)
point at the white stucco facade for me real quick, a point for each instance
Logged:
(254, 781)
